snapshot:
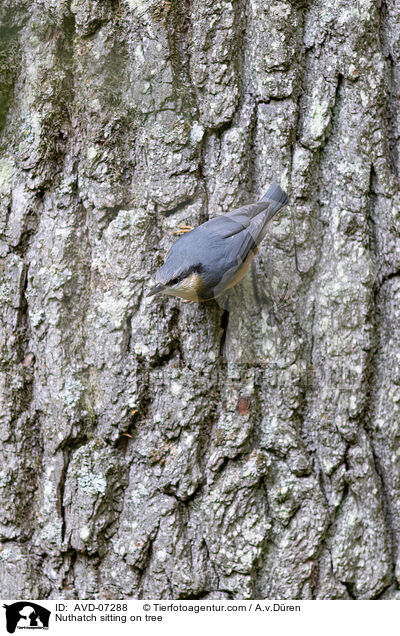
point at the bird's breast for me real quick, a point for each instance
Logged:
(190, 288)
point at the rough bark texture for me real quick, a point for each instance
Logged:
(151, 448)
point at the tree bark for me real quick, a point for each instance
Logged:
(243, 449)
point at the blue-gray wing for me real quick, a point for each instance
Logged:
(237, 220)
(237, 233)
(244, 228)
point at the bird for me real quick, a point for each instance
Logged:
(210, 259)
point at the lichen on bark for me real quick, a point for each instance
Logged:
(241, 449)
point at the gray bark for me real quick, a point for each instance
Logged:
(151, 448)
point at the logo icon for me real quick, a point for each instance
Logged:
(26, 615)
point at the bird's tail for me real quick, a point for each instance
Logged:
(276, 198)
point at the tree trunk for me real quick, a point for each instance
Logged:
(243, 449)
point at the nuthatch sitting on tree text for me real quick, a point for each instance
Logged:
(214, 256)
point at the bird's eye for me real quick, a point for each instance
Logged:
(173, 281)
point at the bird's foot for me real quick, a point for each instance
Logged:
(182, 229)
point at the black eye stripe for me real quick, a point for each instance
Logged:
(179, 278)
(193, 269)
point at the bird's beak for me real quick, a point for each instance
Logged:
(157, 289)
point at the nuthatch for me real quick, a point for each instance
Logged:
(214, 256)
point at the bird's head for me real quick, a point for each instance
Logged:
(185, 283)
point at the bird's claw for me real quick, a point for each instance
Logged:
(182, 229)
